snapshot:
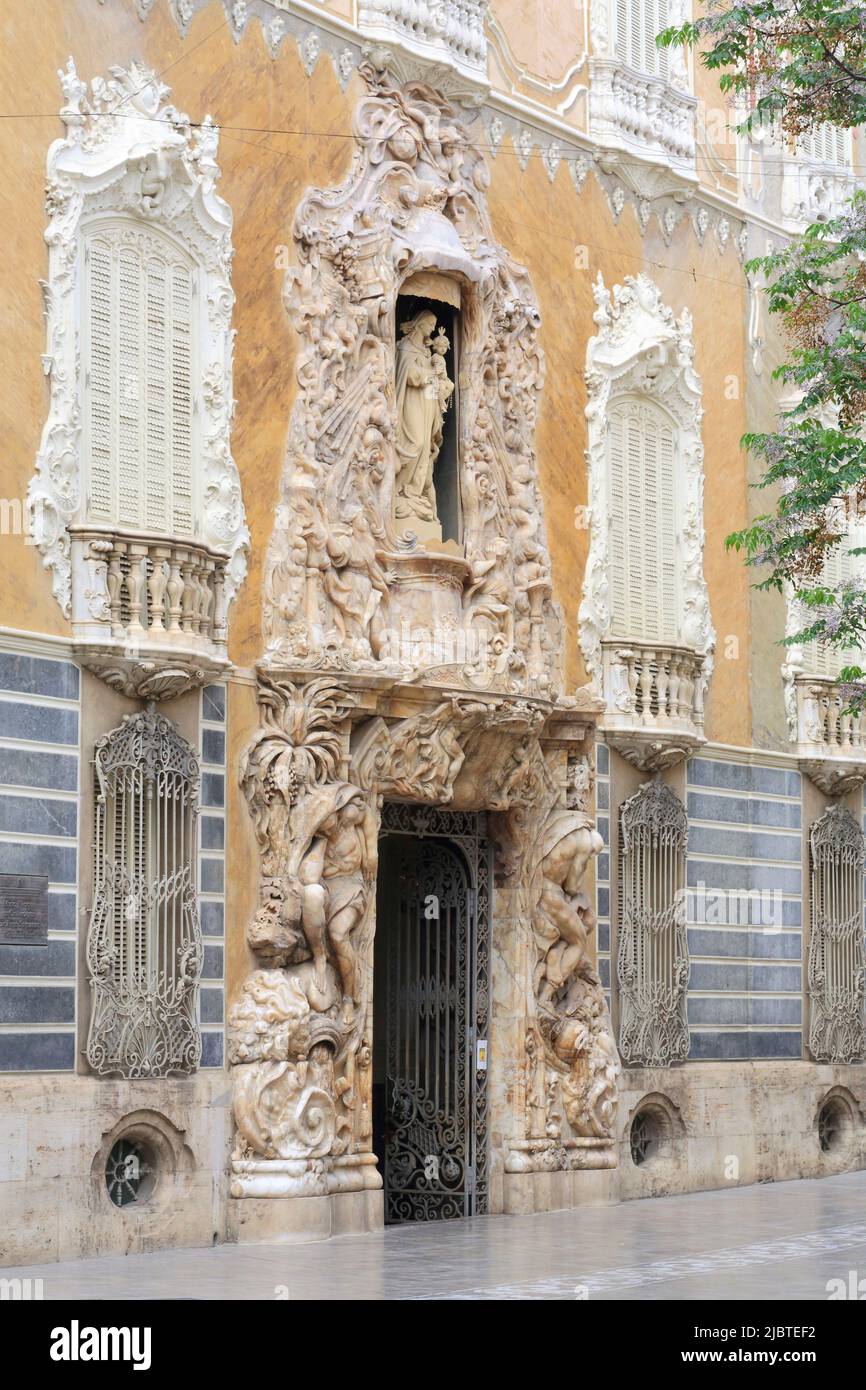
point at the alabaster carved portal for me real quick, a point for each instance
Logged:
(357, 708)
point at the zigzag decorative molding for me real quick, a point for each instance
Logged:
(345, 48)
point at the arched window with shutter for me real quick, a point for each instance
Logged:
(136, 502)
(644, 618)
(144, 945)
(637, 24)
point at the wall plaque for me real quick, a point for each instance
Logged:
(23, 910)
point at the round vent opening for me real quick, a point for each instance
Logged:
(834, 1123)
(646, 1137)
(130, 1171)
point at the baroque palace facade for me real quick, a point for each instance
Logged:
(407, 808)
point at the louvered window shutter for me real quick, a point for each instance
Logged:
(829, 145)
(637, 24)
(643, 545)
(139, 382)
(822, 658)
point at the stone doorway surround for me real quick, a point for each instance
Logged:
(469, 716)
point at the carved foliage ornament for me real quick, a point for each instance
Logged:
(642, 351)
(129, 156)
(415, 200)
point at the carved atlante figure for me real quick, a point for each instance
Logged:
(335, 867)
(423, 392)
(564, 918)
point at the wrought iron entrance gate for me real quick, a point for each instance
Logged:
(433, 914)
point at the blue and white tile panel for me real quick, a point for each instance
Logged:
(39, 811)
(744, 909)
(212, 862)
(602, 870)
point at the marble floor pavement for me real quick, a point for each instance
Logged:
(776, 1241)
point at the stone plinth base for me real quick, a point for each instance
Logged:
(524, 1193)
(291, 1220)
(304, 1177)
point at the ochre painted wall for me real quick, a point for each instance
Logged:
(544, 223)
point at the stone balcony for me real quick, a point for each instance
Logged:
(448, 32)
(813, 191)
(654, 702)
(831, 743)
(148, 612)
(643, 117)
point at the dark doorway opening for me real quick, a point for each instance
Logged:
(430, 1008)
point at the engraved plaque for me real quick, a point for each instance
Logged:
(23, 910)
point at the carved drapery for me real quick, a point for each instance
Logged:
(837, 965)
(352, 713)
(653, 952)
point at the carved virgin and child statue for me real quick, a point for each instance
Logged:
(423, 393)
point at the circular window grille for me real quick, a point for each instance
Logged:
(129, 1172)
(643, 1137)
(832, 1126)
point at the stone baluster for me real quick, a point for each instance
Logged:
(646, 684)
(664, 661)
(675, 687)
(696, 694)
(219, 614)
(114, 582)
(157, 585)
(207, 597)
(136, 589)
(831, 727)
(186, 570)
(175, 591)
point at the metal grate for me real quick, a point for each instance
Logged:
(144, 946)
(434, 907)
(836, 956)
(653, 953)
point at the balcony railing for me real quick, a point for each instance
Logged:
(445, 31)
(148, 612)
(831, 742)
(642, 114)
(654, 698)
